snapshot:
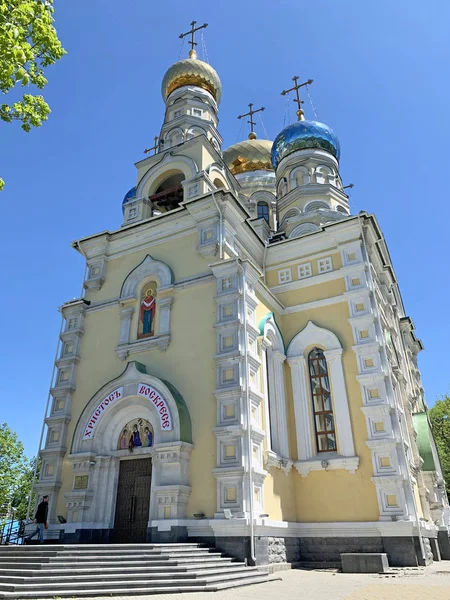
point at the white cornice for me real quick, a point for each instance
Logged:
(315, 304)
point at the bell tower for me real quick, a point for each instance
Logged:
(309, 187)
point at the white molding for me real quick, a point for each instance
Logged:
(349, 463)
(315, 304)
(161, 342)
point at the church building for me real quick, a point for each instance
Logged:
(241, 369)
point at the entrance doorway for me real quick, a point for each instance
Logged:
(133, 501)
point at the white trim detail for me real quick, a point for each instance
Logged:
(274, 391)
(308, 458)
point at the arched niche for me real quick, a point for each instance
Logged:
(159, 277)
(134, 395)
(129, 400)
(168, 166)
(303, 229)
(312, 335)
(149, 268)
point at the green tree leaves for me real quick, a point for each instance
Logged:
(13, 465)
(28, 44)
(440, 424)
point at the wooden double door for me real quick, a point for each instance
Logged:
(133, 501)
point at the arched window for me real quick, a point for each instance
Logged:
(263, 210)
(321, 398)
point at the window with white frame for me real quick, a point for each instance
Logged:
(197, 112)
(227, 283)
(320, 396)
(285, 276)
(325, 264)
(304, 271)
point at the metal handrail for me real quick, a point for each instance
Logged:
(13, 532)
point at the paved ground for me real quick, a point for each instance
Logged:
(432, 583)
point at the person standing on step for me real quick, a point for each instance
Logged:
(40, 518)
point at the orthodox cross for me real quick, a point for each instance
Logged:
(251, 112)
(191, 32)
(297, 87)
(155, 147)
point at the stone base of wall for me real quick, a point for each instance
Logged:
(319, 552)
(444, 544)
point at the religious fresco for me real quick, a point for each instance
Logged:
(138, 433)
(147, 311)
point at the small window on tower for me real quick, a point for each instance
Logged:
(263, 210)
(197, 112)
(177, 114)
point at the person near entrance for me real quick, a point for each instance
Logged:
(40, 518)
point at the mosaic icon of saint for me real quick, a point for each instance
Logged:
(147, 313)
(135, 438)
(123, 442)
(148, 437)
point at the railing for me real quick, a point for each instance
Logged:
(12, 532)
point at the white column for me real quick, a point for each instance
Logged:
(297, 365)
(283, 445)
(264, 348)
(126, 315)
(164, 305)
(340, 401)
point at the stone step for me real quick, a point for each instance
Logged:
(35, 595)
(111, 577)
(54, 587)
(41, 550)
(138, 568)
(116, 563)
(64, 557)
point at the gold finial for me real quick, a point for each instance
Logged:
(251, 112)
(191, 32)
(297, 86)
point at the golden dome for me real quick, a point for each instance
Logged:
(249, 155)
(192, 71)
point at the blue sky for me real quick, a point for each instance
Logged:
(381, 82)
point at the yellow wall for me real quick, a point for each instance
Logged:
(179, 254)
(334, 495)
(188, 364)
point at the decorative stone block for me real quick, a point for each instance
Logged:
(359, 562)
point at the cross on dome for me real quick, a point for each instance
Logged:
(250, 113)
(296, 87)
(191, 32)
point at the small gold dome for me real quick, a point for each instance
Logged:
(192, 71)
(249, 155)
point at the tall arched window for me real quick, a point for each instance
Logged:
(263, 210)
(321, 398)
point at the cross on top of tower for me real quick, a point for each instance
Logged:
(191, 32)
(251, 112)
(296, 87)
(155, 147)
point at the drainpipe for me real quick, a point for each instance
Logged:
(386, 359)
(249, 432)
(45, 416)
(220, 226)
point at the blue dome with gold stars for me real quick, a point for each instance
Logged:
(304, 135)
(130, 195)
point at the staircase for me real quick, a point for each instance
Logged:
(48, 571)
